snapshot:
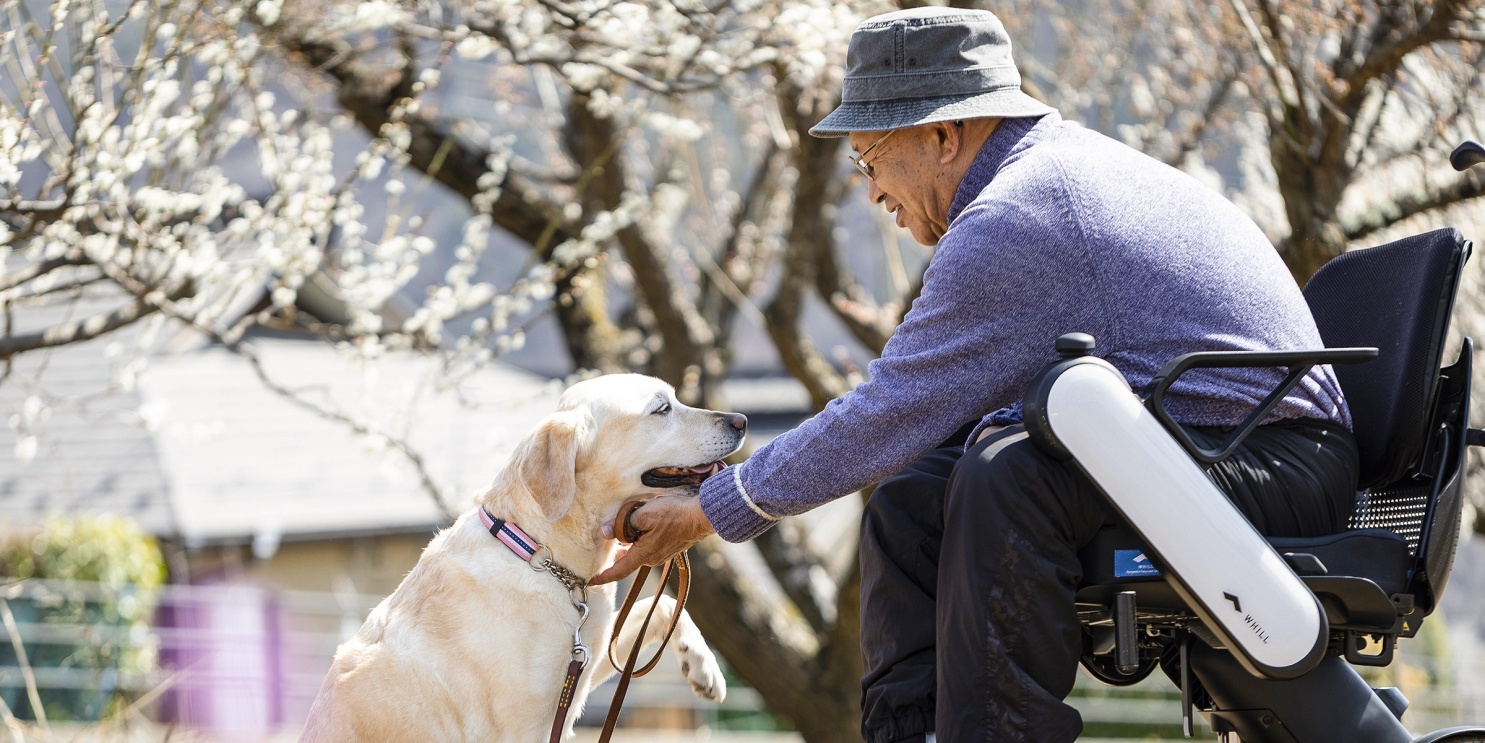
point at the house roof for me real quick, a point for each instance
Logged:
(194, 446)
(242, 459)
(73, 402)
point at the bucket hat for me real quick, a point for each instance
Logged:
(924, 65)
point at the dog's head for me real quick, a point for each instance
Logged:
(617, 437)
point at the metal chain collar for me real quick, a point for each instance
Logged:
(574, 583)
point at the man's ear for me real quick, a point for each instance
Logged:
(950, 138)
(963, 139)
(546, 463)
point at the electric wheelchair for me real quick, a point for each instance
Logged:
(1261, 634)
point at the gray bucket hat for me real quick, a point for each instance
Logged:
(924, 65)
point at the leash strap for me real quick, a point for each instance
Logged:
(681, 566)
(564, 702)
(574, 671)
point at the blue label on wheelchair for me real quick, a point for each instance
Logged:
(1133, 564)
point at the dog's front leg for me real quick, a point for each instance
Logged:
(696, 659)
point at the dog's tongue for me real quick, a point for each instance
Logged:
(709, 469)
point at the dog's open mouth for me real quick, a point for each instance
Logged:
(675, 477)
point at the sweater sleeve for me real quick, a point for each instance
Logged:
(991, 308)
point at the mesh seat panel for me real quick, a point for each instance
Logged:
(1400, 510)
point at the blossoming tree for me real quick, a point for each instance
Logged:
(651, 159)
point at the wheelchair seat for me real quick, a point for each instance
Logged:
(1356, 573)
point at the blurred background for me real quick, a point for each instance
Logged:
(284, 281)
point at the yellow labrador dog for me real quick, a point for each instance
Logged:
(476, 642)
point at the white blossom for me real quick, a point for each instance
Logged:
(679, 129)
(268, 11)
(26, 448)
(475, 46)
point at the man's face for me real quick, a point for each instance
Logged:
(905, 180)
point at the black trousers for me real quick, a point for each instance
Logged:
(969, 567)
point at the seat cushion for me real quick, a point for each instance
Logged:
(1379, 555)
(1116, 555)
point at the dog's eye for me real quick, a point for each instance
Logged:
(664, 409)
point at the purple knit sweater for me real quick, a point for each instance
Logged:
(1054, 229)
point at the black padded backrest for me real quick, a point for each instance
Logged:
(1396, 297)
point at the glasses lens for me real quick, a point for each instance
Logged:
(866, 169)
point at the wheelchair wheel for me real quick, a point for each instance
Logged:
(1102, 668)
(1461, 734)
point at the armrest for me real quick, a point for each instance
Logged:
(1299, 364)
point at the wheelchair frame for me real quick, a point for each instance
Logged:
(1278, 666)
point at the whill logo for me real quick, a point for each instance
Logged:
(1257, 629)
(1248, 618)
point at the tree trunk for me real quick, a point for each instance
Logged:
(810, 680)
(1312, 188)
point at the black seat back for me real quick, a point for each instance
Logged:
(1409, 416)
(1395, 297)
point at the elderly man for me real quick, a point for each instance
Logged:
(969, 551)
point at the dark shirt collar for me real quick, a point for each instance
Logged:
(1009, 136)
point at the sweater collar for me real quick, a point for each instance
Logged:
(1011, 136)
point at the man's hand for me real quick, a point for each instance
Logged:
(671, 524)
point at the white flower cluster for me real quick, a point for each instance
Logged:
(812, 37)
(18, 144)
(268, 11)
(603, 227)
(143, 195)
(34, 411)
(363, 16)
(672, 127)
(148, 202)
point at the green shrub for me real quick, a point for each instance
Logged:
(89, 585)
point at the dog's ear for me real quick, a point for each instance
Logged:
(546, 463)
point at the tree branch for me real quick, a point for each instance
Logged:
(71, 285)
(1411, 205)
(12, 280)
(370, 96)
(799, 572)
(413, 457)
(808, 233)
(870, 323)
(46, 211)
(1385, 58)
(1294, 98)
(1286, 92)
(87, 329)
(232, 341)
(734, 616)
(1191, 139)
(593, 142)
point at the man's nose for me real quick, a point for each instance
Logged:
(872, 192)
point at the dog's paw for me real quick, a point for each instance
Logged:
(701, 668)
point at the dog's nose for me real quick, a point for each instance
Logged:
(737, 421)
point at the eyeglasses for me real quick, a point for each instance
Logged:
(860, 160)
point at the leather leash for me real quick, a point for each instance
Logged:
(681, 566)
(569, 684)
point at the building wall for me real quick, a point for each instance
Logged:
(254, 635)
(365, 565)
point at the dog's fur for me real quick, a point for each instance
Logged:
(474, 644)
